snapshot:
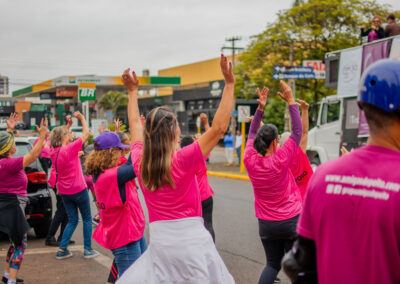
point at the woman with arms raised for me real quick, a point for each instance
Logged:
(277, 197)
(181, 250)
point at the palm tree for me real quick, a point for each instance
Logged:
(112, 101)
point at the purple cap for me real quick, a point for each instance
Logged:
(108, 140)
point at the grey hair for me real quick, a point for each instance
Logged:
(57, 135)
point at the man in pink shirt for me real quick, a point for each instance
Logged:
(350, 224)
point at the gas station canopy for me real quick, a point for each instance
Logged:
(67, 84)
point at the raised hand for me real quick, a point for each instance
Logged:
(69, 121)
(344, 151)
(131, 82)
(143, 120)
(11, 122)
(203, 118)
(262, 98)
(78, 115)
(303, 105)
(117, 124)
(226, 69)
(286, 94)
(101, 128)
(43, 130)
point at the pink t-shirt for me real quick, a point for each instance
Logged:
(202, 179)
(183, 201)
(70, 178)
(12, 176)
(276, 194)
(352, 212)
(302, 171)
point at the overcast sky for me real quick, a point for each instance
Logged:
(40, 40)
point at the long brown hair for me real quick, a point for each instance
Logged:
(159, 144)
(100, 160)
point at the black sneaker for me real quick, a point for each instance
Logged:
(5, 280)
(52, 242)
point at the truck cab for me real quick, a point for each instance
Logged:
(324, 138)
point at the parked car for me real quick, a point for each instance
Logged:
(3, 124)
(20, 125)
(40, 208)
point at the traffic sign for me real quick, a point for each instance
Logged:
(243, 113)
(318, 67)
(298, 75)
(87, 91)
(293, 69)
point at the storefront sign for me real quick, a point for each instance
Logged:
(66, 92)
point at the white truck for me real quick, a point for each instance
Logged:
(336, 126)
(337, 122)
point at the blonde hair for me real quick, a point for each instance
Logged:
(158, 147)
(100, 160)
(57, 135)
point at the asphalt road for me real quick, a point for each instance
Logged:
(237, 241)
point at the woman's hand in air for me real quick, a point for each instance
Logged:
(131, 82)
(286, 94)
(227, 71)
(262, 98)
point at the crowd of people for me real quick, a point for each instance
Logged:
(338, 225)
(375, 31)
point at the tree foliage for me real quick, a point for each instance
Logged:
(312, 28)
(112, 101)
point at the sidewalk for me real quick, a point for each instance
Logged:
(217, 165)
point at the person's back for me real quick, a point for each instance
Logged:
(349, 228)
(392, 28)
(354, 223)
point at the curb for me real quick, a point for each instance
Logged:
(227, 175)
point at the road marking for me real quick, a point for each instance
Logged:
(101, 258)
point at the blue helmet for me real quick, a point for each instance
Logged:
(380, 85)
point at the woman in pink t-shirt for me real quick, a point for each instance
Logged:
(301, 167)
(181, 250)
(122, 219)
(71, 185)
(13, 195)
(277, 197)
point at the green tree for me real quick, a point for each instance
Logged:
(312, 28)
(112, 101)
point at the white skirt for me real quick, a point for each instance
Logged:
(180, 251)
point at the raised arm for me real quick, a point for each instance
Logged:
(11, 122)
(305, 124)
(85, 126)
(256, 120)
(131, 82)
(297, 129)
(204, 121)
(221, 119)
(35, 152)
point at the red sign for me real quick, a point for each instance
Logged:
(66, 92)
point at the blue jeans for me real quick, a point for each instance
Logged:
(126, 255)
(239, 152)
(72, 203)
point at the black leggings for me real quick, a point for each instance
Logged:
(277, 238)
(207, 206)
(113, 276)
(60, 218)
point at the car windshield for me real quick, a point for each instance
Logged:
(23, 149)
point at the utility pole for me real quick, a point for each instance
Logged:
(232, 40)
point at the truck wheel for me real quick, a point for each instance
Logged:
(42, 229)
(315, 162)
